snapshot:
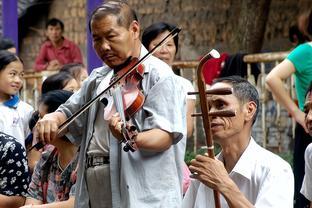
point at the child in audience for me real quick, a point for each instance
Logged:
(14, 113)
(55, 174)
(60, 81)
(78, 71)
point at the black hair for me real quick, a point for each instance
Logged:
(33, 120)
(56, 82)
(152, 31)
(243, 90)
(118, 8)
(309, 28)
(294, 31)
(73, 69)
(6, 43)
(7, 57)
(54, 22)
(53, 99)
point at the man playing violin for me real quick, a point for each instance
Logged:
(151, 176)
(244, 173)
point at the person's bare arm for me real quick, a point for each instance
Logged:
(155, 140)
(11, 201)
(274, 81)
(190, 104)
(63, 204)
(213, 174)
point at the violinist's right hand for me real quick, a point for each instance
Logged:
(46, 129)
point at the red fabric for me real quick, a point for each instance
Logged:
(69, 52)
(212, 68)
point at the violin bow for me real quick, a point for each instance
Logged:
(205, 114)
(86, 106)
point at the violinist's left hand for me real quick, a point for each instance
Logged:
(115, 125)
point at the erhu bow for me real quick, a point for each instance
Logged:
(205, 114)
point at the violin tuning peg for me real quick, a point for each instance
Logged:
(104, 101)
(192, 93)
(219, 91)
(196, 114)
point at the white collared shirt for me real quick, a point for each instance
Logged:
(264, 178)
(14, 121)
(306, 188)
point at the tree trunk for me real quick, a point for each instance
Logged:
(249, 33)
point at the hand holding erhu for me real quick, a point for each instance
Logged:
(205, 109)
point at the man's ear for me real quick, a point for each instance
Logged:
(135, 28)
(250, 110)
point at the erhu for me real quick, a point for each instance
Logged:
(205, 114)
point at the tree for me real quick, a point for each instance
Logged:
(250, 29)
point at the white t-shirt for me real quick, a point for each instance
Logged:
(306, 188)
(14, 121)
(264, 178)
(187, 87)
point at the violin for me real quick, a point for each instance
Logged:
(122, 77)
(126, 98)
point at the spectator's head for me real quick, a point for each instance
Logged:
(78, 71)
(59, 81)
(153, 34)
(116, 33)
(11, 74)
(51, 101)
(244, 101)
(308, 109)
(54, 30)
(305, 24)
(295, 36)
(7, 44)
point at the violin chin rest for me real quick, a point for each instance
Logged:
(104, 101)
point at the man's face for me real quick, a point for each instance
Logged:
(308, 112)
(113, 43)
(54, 33)
(223, 128)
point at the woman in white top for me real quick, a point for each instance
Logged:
(152, 35)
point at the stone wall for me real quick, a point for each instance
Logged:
(205, 24)
(71, 12)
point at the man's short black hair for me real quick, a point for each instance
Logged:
(54, 22)
(6, 43)
(118, 8)
(243, 90)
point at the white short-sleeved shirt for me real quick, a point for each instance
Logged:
(306, 188)
(14, 120)
(187, 87)
(264, 178)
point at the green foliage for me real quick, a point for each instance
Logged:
(288, 156)
(189, 155)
